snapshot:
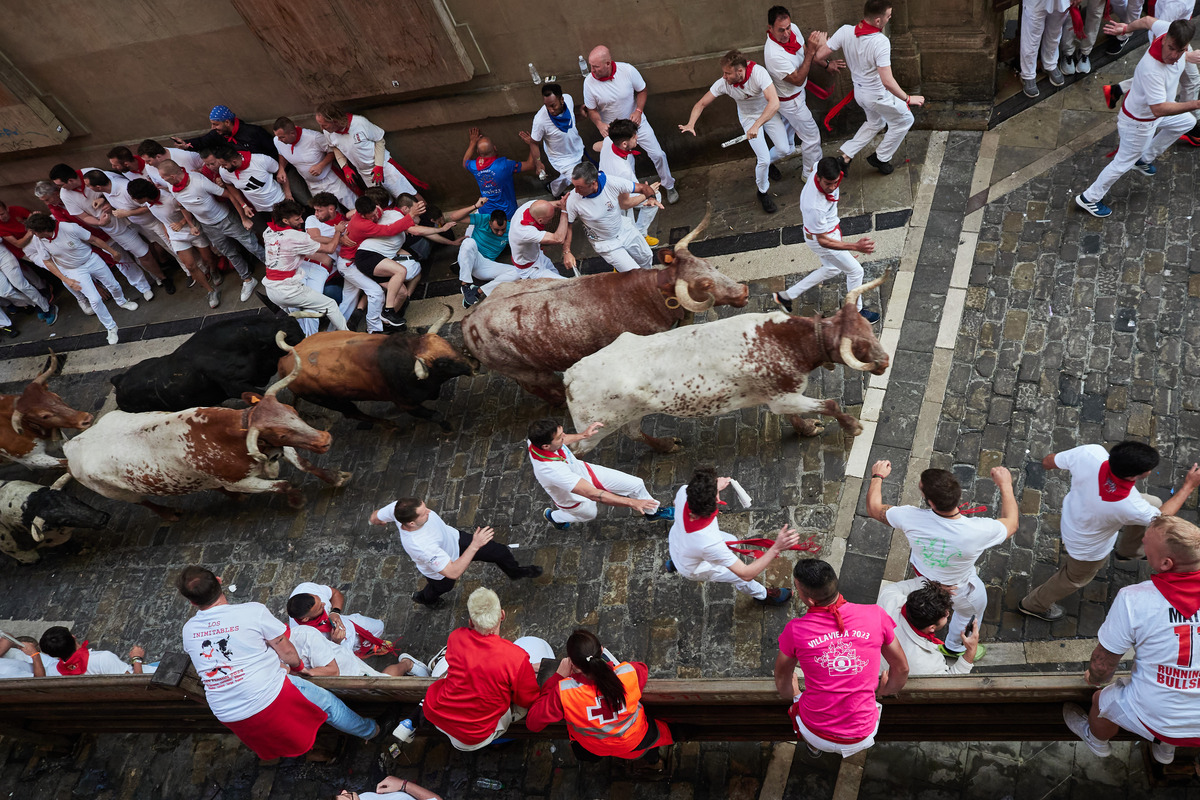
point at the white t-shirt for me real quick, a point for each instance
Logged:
(616, 166)
(563, 148)
(358, 143)
(188, 159)
(306, 152)
(322, 228)
(1164, 690)
(864, 56)
(242, 675)
(168, 211)
(118, 193)
(285, 251)
(1089, 525)
(256, 180)
(317, 651)
(1171, 10)
(431, 547)
(751, 102)
(387, 246)
(560, 475)
(69, 246)
(1154, 82)
(16, 668)
(200, 197)
(614, 98)
(945, 550)
(524, 241)
(691, 551)
(600, 214)
(100, 662)
(780, 63)
(388, 796)
(77, 203)
(819, 214)
(923, 656)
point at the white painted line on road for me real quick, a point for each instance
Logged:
(775, 781)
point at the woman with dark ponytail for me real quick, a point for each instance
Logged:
(600, 700)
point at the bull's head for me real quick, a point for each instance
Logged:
(41, 412)
(696, 278)
(253, 427)
(430, 348)
(48, 509)
(279, 425)
(856, 343)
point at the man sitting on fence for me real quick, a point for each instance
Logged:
(77, 659)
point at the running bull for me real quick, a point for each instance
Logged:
(173, 453)
(34, 417)
(33, 516)
(533, 330)
(719, 367)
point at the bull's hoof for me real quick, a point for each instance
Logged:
(807, 427)
(23, 556)
(295, 500)
(854, 429)
(343, 478)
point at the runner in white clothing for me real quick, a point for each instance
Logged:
(920, 608)
(1041, 28)
(357, 288)
(187, 241)
(359, 147)
(556, 129)
(598, 200)
(1158, 620)
(312, 156)
(287, 245)
(252, 180)
(116, 189)
(124, 237)
(823, 235)
(757, 103)
(615, 90)
(869, 56)
(700, 550)
(577, 487)
(945, 543)
(617, 153)
(527, 235)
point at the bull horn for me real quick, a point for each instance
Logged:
(442, 320)
(853, 295)
(38, 529)
(51, 368)
(420, 370)
(252, 446)
(684, 296)
(847, 354)
(281, 340)
(682, 245)
(16, 422)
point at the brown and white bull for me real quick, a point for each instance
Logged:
(161, 453)
(532, 330)
(722, 366)
(34, 417)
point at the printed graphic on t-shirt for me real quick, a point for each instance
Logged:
(841, 658)
(220, 657)
(939, 552)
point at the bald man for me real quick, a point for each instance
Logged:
(528, 234)
(615, 90)
(494, 172)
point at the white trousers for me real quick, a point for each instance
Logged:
(87, 276)
(798, 115)
(333, 185)
(473, 266)
(1040, 31)
(610, 480)
(648, 144)
(152, 230)
(224, 233)
(782, 146)
(883, 109)
(1117, 707)
(1143, 141)
(1093, 14)
(19, 290)
(969, 600)
(395, 183)
(832, 262)
(844, 750)
(1127, 10)
(542, 268)
(354, 282)
(295, 294)
(628, 251)
(128, 238)
(642, 216)
(712, 573)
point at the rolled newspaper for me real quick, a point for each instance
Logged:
(742, 497)
(732, 142)
(12, 639)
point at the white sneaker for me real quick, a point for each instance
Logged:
(148, 295)
(91, 312)
(128, 305)
(1084, 65)
(1163, 753)
(248, 289)
(1077, 720)
(214, 299)
(112, 335)
(215, 279)
(419, 668)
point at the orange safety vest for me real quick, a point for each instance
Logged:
(593, 724)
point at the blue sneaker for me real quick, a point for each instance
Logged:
(670, 566)
(1144, 167)
(1096, 209)
(870, 316)
(664, 512)
(562, 526)
(777, 597)
(51, 316)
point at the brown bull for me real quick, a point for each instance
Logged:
(341, 367)
(31, 419)
(532, 330)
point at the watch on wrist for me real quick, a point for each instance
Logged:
(335, 611)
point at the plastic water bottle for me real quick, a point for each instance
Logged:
(583, 67)
(405, 731)
(489, 783)
(533, 73)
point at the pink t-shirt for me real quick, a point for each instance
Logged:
(841, 670)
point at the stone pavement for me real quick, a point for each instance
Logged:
(1010, 328)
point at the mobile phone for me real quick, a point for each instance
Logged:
(970, 626)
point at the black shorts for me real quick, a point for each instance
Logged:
(367, 260)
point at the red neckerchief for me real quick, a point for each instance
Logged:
(611, 75)
(54, 235)
(1156, 49)
(347, 128)
(141, 166)
(1076, 21)
(746, 77)
(299, 133)
(246, 156)
(1113, 488)
(484, 163)
(929, 637)
(187, 178)
(77, 664)
(538, 454)
(1181, 589)
(692, 523)
(832, 608)
(231, 137)
(625, 153)
(830, 197)
(334, 220)
(367, 641)
(792, 45)
(864, 28)
(528, 219)
(83, 186)
(279, 228)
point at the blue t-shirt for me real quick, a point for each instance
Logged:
(490, 245)
(496, 184)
